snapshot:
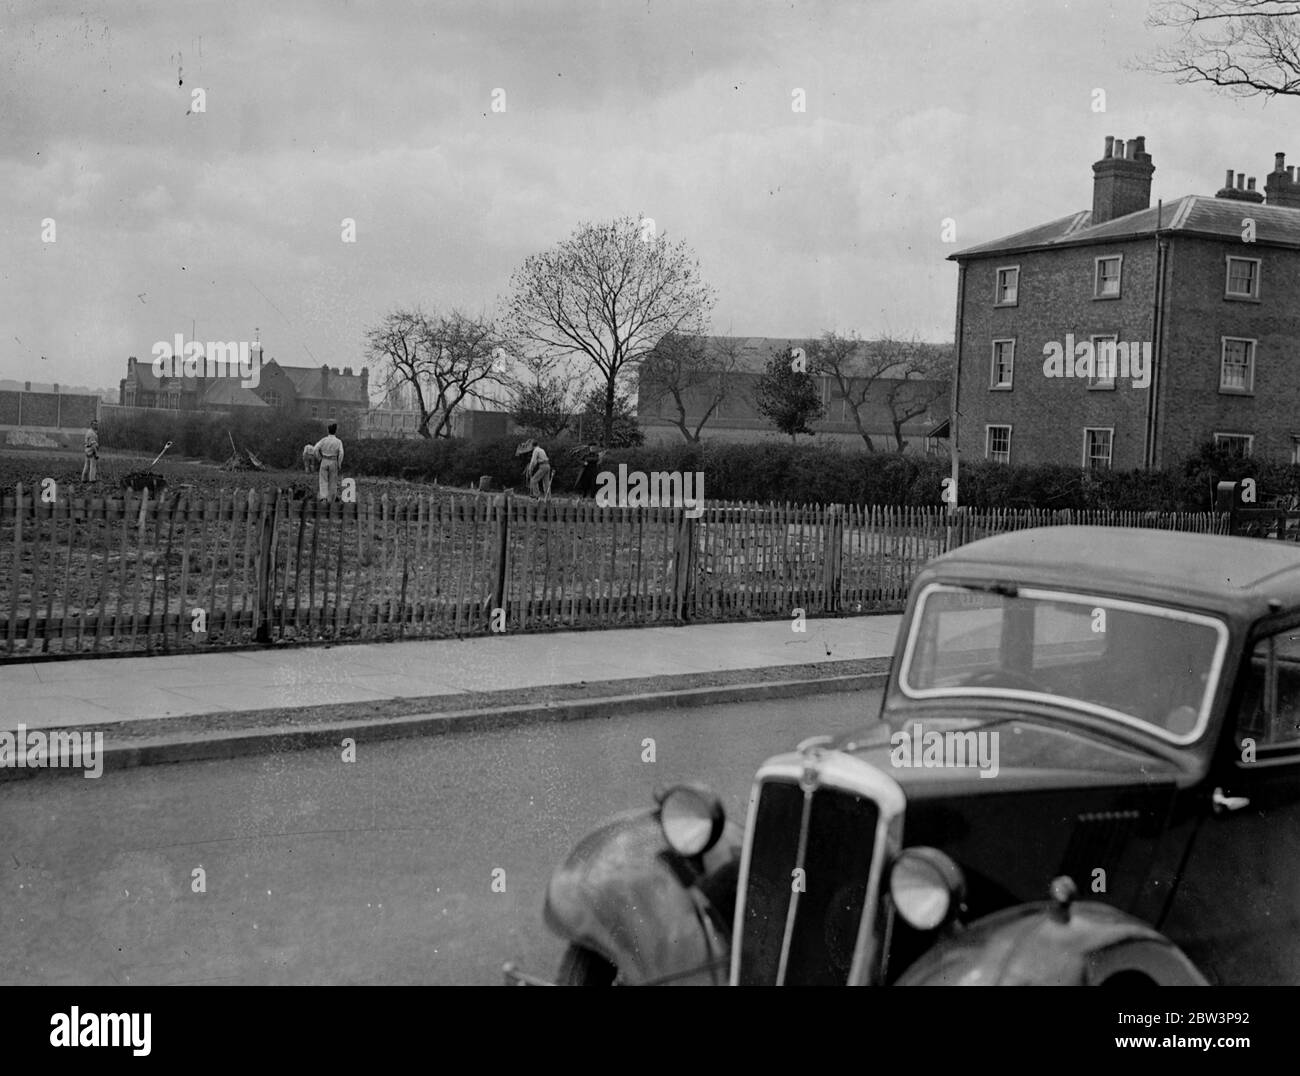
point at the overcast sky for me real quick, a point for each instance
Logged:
(979, 110)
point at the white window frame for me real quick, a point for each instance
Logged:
(1220, 436)
(1095, 382)
(1096, 276)
(994, 383)
(1110, 447)
(997, 286)
(988, 440)
(1228, 293)
(1249, 390)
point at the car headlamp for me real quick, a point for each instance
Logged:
(927, 887)
(692, 819)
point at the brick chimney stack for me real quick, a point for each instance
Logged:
(1244, 191)
(1280, 185)
(324, 379)
(1121, 181)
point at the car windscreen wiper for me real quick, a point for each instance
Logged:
(1006, 590)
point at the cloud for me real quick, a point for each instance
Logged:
(381, 112)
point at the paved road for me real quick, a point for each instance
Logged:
(317, 870)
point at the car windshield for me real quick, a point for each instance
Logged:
(1135, 663)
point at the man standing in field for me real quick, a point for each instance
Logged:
(329, 450)
(89, 469)
(537, 473)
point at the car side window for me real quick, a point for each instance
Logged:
(1270, 701)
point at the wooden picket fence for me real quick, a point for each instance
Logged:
(186, 571)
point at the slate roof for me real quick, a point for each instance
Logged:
(753, 352)
(307, 383)
(228, 392)
(1193, 214)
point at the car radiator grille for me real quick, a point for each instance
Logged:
(815, 928)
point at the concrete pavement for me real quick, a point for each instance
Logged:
(189, 706)
(73, 693)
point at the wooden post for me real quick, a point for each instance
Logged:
(832, 557)
(684, 566)
(499, 596)
(171, 532)
(265, 567)
(18, 559)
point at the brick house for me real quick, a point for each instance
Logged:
(738, 419)
(319, 392)
(1205, 291)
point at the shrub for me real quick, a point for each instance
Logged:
(275, 438)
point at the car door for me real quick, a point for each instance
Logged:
(1236, 907)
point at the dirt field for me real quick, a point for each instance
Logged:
(31, 466)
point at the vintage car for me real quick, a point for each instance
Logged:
(1086, 770)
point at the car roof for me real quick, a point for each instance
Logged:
(1216, 572)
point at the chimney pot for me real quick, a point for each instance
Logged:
(1228, 182)
(1279, 162)
(1290, 173)
(27, 386)
(1110, 147)
(1250, 183)
(1120, 151)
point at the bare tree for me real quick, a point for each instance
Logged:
(1248, 47)
(890, 372)
(855, 366)
(396, 346)
(695, 373)
(465, 354)
(609, 292)
(918, 380)
(445, 359)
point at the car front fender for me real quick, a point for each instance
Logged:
(1086, 944)
(624, 894)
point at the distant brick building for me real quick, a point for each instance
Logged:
(319, 392)
(46, 407)
(1208, 288)
(738, 419)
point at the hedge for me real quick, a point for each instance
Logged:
(276, 439)
(769, 471)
